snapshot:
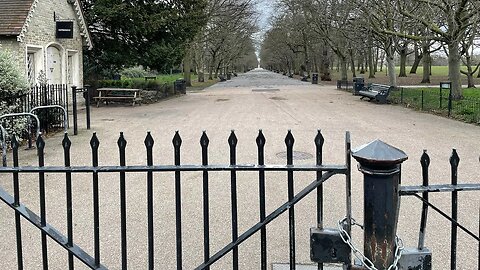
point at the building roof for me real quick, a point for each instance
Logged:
(13, 14)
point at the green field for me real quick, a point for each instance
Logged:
(439, 74)
(431, 99)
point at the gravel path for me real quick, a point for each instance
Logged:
(275, 105)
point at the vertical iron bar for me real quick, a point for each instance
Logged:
(16, 195)
(261, 190)
(177, 143)
(422, 99)
(204, 141)
(41, 185)
(479, 241)
(348, 184)
(122, 144)
(454, 160)
(66, 143)
(74, 111)
(289, 141)
(425, 162)
(65, 99)
(87, 105)
(232, 141)
(149, 142)
(441, 96)
(319, 141)
(94, 143)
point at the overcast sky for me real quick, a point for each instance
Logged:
(265, 9)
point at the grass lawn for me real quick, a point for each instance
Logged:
(439, 74)
(431, 99)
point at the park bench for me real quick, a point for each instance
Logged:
(118, 94)
(377, 92)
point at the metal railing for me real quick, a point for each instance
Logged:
(324, 172)
(65, 113)
(380, 163)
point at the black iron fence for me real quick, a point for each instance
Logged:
(380, 163)
(39, 96)
(440, 102)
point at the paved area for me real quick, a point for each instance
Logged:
(276, 105)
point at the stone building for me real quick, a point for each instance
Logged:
(45, 36)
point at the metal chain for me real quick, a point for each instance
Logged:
(359, 255)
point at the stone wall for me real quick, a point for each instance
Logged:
(41, 33)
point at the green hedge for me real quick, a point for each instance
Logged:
(136, 84)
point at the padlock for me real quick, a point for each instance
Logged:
(327, 246)
(413, 258)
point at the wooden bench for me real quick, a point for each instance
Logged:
(115, 94)
(377, 92)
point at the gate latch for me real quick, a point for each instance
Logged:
(327, 246)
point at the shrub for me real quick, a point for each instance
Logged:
(12, 85)
(135, 72)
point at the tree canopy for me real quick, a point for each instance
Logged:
(149, 32)
(313, 35)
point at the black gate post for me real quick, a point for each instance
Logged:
(87, 103)
(380, 164)
(74, 103)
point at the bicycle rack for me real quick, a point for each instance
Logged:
(65, 115)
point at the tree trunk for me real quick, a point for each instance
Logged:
(470, 72)
(391, 66)
(416, 62)
(362, 67)
(382, 59)
(352, 63)
(454, 70)
(187, 61)
(325, 65)
(426, 66)
(403, 63)
(371, 69)
(343, 68)
(210, 73)
(377, 51)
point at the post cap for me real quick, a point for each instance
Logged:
(378, 153)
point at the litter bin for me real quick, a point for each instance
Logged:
(358, 84)
(180, 86)
(314, 78)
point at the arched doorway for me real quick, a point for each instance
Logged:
(54, 65)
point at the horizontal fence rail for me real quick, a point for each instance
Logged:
(322, 172)
(453, 188)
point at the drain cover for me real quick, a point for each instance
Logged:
(296, 155)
